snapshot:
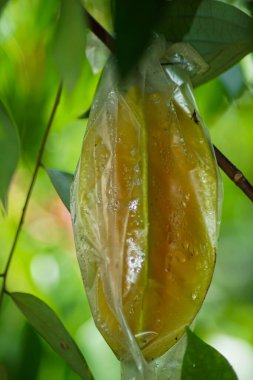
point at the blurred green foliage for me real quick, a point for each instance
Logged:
(44, 263)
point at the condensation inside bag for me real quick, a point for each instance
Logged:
(145, 209)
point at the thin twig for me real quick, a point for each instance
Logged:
(234, 173)
(224, 163)
(30, 189)
(99, 31)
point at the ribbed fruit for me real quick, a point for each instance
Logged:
(147, 193)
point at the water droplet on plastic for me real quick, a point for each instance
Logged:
(187, 196)
(133, 205)
(155, 99)
(138, 182)
(186, 245)
(194, 296)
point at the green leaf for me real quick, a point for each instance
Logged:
(30, 356)
(202, 361)
(3, 372)
(44, 320)
(9, 152)
(233, 82)
(221, 33)
(85, 115)
(133, 23)
(29, 80)
(101, 11)
(69, 42)
(62, 182)
(3, 4)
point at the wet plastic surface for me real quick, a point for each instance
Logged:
(145, 210)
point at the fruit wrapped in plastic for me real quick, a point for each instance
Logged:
(145, 208)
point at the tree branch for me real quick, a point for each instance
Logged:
(234, 173)
(99, 31)
(224, 163)
(30, 189)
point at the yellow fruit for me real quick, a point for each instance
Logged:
(147, 213)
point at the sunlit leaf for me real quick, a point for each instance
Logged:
(202, 361)
(62, 182)
(222, 34)
(133, 24)
(28, 76)
(48, 325)
(213, 106)
(9, 152)
(69, 43)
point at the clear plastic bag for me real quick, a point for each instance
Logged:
(145, 209)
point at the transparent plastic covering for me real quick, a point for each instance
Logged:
(145, 209)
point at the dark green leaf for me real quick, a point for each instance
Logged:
(48, 325)
(202, 361)
(2, 4)
(62, 182)
(85, 115)
(9, 152)
(69, 43)
(222, 34)
(30, 358)
(133, 23)
(178, 18)
(3, 372)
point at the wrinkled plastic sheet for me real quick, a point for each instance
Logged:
(145, 208)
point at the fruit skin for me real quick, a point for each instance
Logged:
(145, 212)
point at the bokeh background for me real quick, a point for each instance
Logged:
(37, 46)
